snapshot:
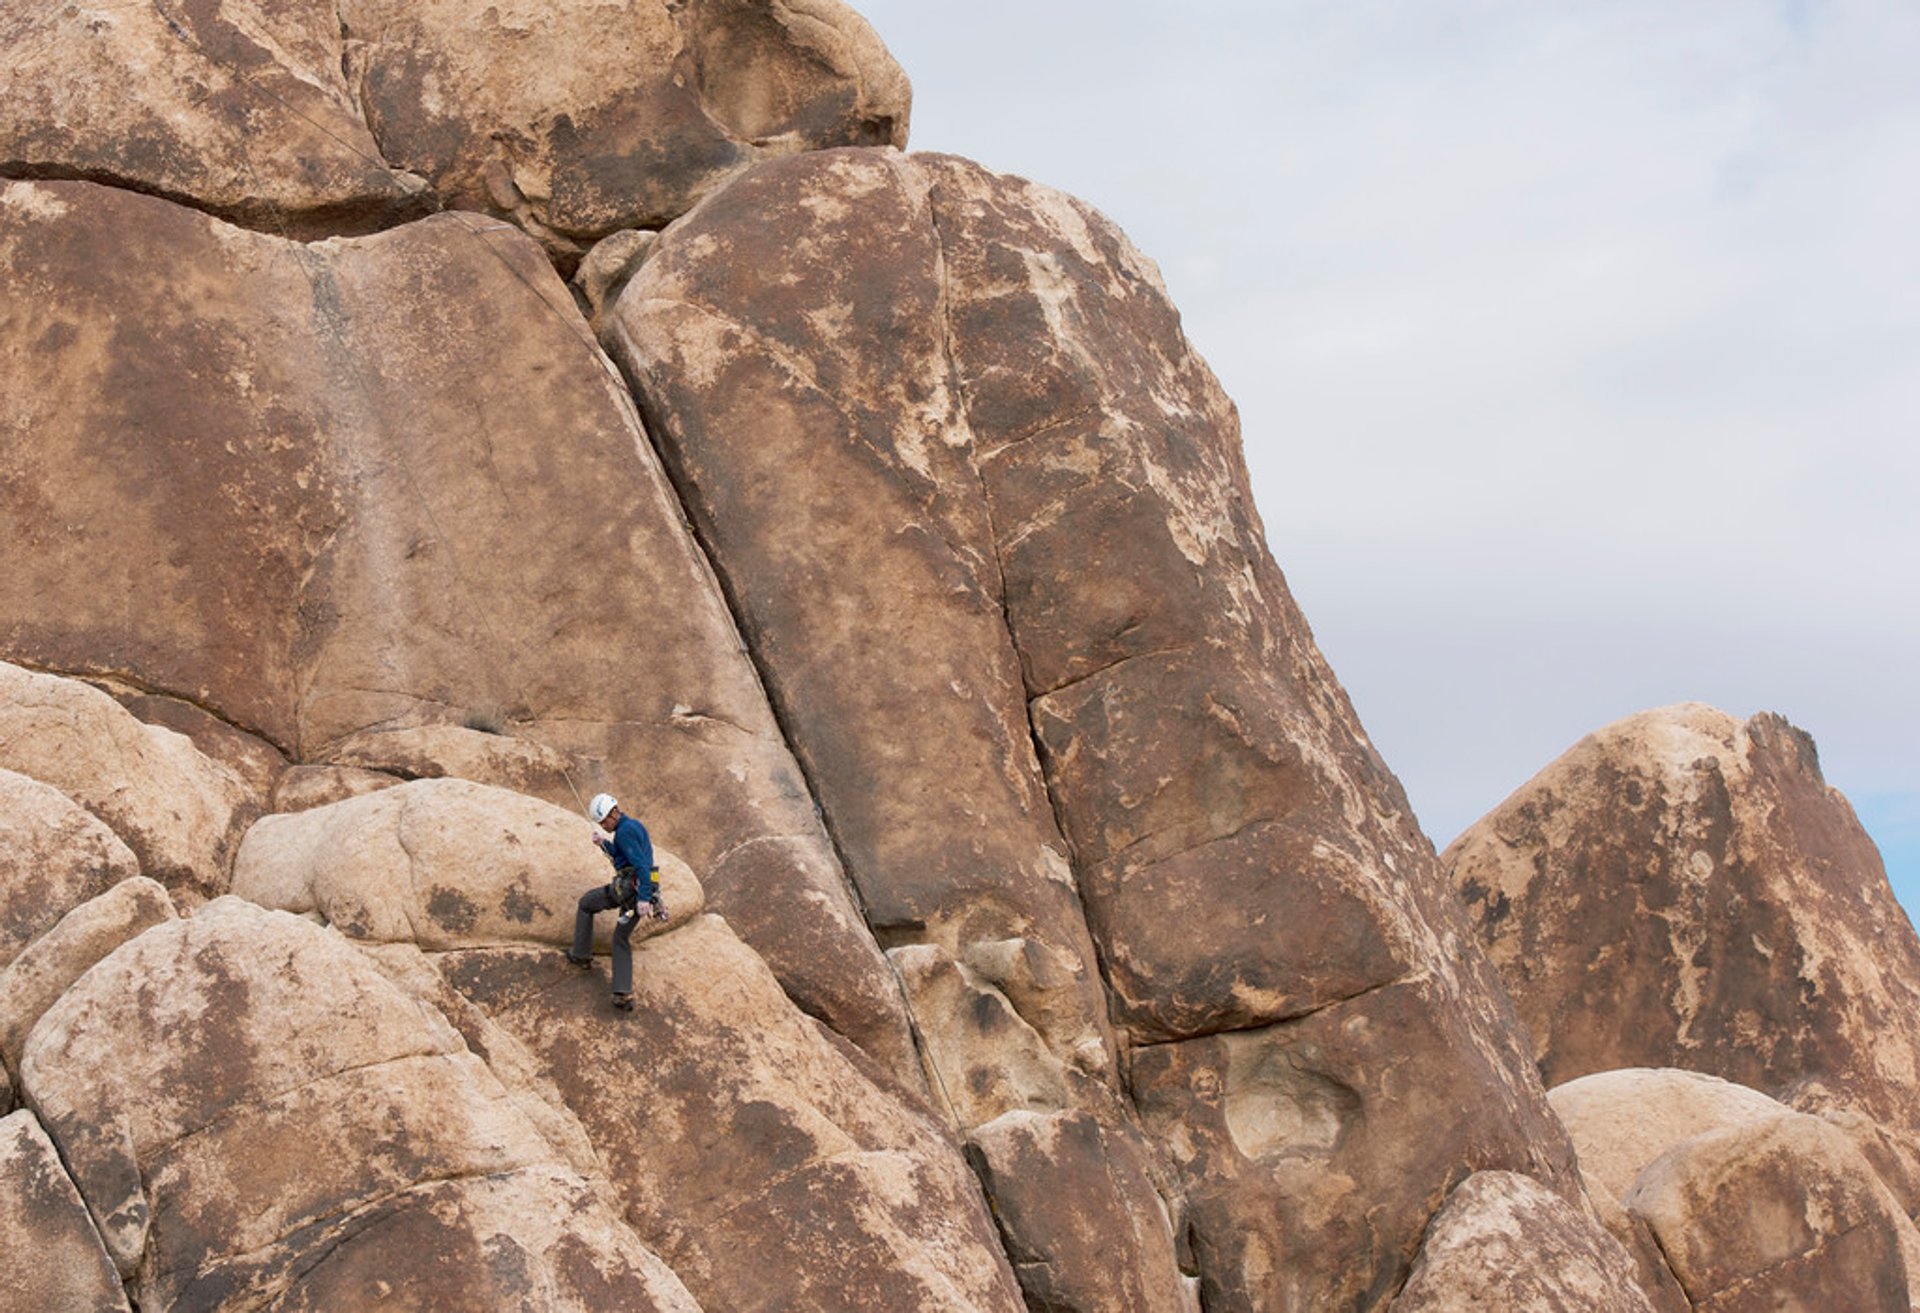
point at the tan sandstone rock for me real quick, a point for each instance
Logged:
(50, 1253)
(1781, 1213)
(178, 810)
(255, 1114)
(442, 864)
(390, 483)
(953, 414)
(31, 983)
(573, 119)
(1682, 889)
(54, 855)
(749, 1149)
(1503, 1241)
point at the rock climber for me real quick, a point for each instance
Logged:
(635, 885)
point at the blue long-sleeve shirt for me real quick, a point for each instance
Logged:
(633, 846)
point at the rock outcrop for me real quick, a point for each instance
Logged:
(571, 119)
(410, 442)
(35, 980)
(1049, 934)
(1682, 889)
(770, 1166)
(915, 406)
(1746, 1203)
(253, 1112)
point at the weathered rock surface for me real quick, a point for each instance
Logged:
(442, 864)
(51, 1254)
(1314, 1151)
(1620, 1121)
(572, 119)
(429, 752)
(409, 444)
(1018, 471)
(54, 855)
(756, 1155)
(1682, 889)
(1083, 1222)
(180, 812)
(1503, 1241)
(254, 1113)
(31, 983)
(1778, 1213)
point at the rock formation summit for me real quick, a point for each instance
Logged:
(416, 418)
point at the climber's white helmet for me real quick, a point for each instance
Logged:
(602, 804)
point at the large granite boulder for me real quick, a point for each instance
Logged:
(255, 1114)
(179, 811)
(1505, 1242)
(1084, 1224)
(33, 981)
(306, 118)
(914, 406)
(1682, 889)
(390, 482)
(54, 855)
(1782, 1213)
(770, 1164)
(51, 1254)
(1620, 1121)
(442, 864)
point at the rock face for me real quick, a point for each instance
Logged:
(752, 1153)
(1503, 1241)
(914, 406)
(412, 442)
(572, 119)
(1058, 939)
(48, 1247)
(354, 1136)
(34, 980)
(1682, 889)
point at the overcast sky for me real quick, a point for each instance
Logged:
(1576, 342)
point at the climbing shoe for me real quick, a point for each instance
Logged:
(580, 961)
(623, 1002)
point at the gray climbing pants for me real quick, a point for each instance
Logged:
(593, 902)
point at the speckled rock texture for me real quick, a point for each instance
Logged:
(49, 1250)
(1683, 889)
(410, 442)
(417, 416)
(914, 406)
(770, 1165)
(443, 864)
(570, 119)
(1504, 1242)
(180, 812)
(54, 855)
(354, 1137)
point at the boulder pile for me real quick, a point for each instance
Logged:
(416, 418)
